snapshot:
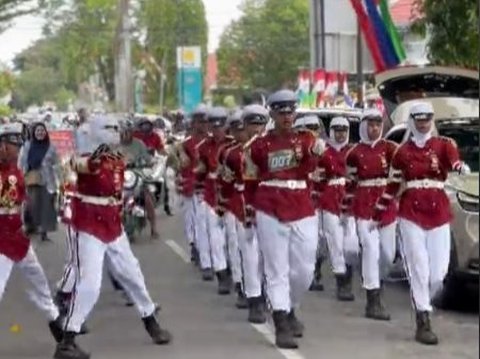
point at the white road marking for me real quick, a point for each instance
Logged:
(178, 250)
(267, 333)
(264, 329)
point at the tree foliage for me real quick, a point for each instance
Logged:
(78, 43)
(10, 9)
(169, 24)
(266, 46)
(452, 28)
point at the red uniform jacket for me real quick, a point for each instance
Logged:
(232, 182)
(286, 158)
(104, 181)
(334, 166)
(186, 177)
(420, 202)
(370, 164)
(14, 244)
(208, 155)
(152, 140)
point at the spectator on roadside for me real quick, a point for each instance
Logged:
(40, 164)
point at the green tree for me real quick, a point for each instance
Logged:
(452, 28)
(266, 46)
(10, 9)
(169, 24)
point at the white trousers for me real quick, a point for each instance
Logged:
(39, 291)
(67, 282)
(173, 197)
(90, 255)
(188, 207)
(231, 225)
(216, 238)
(201, 233)
(289, 253)
(251, 260)
(426, 254)
(378, 251)
(342, 240)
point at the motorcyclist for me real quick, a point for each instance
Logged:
(136, 154)
(149, 137)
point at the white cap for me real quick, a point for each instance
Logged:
(339, 122)
(217, 112)
(299, 122)
(235, 117)
(255, 110)
(200, 110)
(420, 108)
(14, 128)
(371, 113)
(311, 120)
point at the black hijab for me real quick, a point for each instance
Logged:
(38, 149)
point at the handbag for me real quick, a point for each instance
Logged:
(33, 178)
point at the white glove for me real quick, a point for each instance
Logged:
(318, 147)
(465, 169)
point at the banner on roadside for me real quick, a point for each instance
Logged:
(64, 142)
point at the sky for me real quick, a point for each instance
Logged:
(26, 30)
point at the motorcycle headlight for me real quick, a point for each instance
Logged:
(130, 180)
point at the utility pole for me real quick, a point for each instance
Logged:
(360, 76)
(123, 60)
(321, 25)
(163, 81)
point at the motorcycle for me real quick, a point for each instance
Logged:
(139, 177)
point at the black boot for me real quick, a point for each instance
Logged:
(224, 283)
(296, 325)
(56, 328)
(207, 274)
(241, 299)
(256, 310)
(158, 335)
(424, 333)
(284, 338)
(68, 349)
(375, 309)
(317, 285)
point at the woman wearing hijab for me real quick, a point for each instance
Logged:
(39, 162)
(422, 165)
(338, 227)
(368, 165)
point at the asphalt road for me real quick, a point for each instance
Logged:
(206, 326)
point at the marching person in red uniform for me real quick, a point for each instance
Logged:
(317, 183)
(285, 216)
(338, 227)
(186, 177)
(15, 248)
(368, 164)
(239, 191)
(228, 207)
(208, 151)
(422, 164)
(98, 232)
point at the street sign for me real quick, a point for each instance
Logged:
(189, 77)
